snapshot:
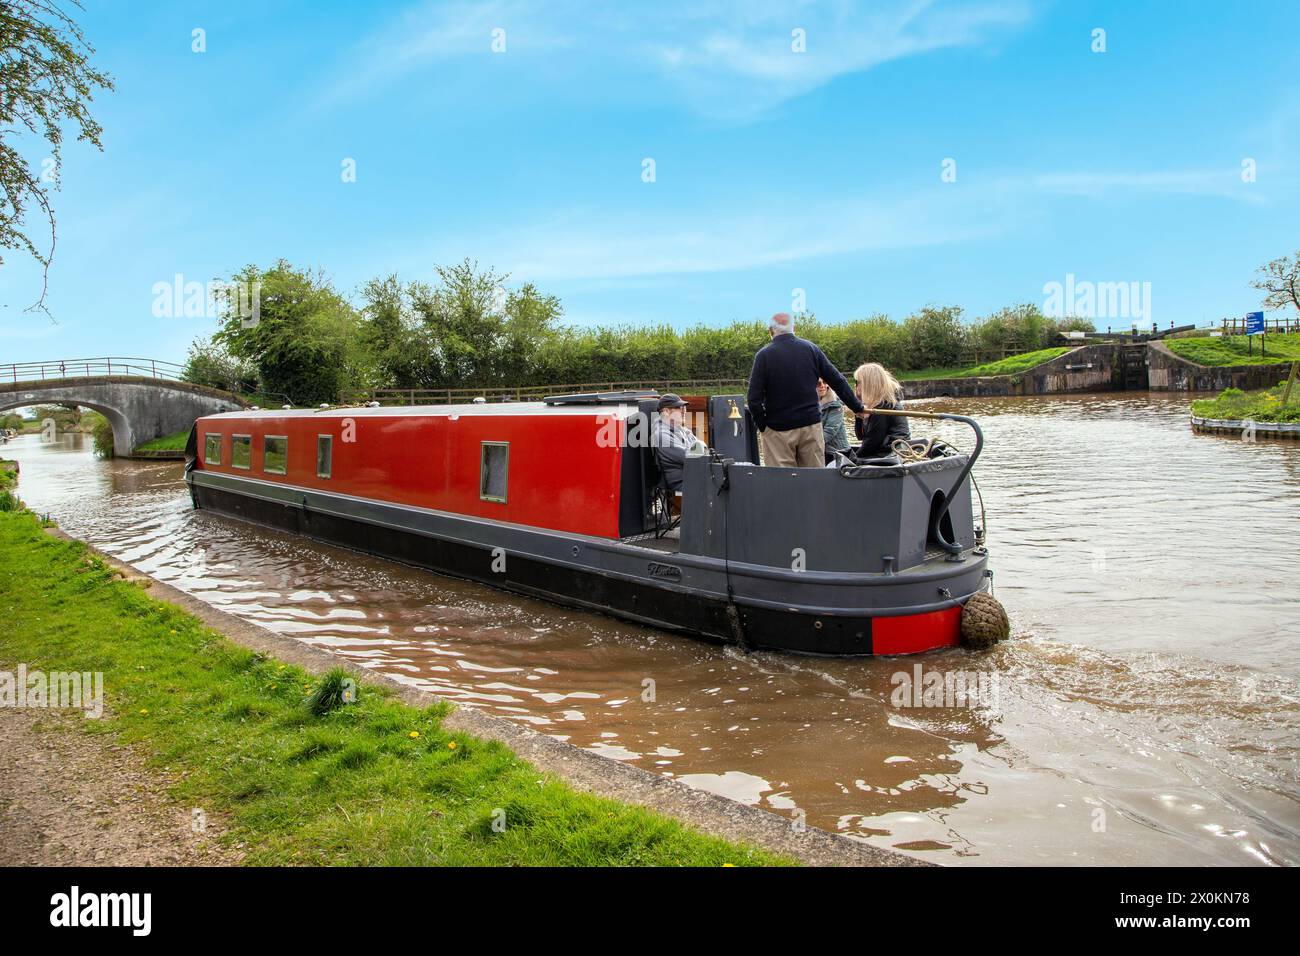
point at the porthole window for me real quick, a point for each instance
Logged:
(275, 454)
(241, 451)
(494, 471)
(324, 455)
(212, 450)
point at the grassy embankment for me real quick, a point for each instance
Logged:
(8, 486)
(370, 782)
(1234, 350)
(1011, 365)
(173, 442)
(1265, 405)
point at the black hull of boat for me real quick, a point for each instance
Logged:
(658, 601)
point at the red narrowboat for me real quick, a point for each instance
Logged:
(563, 500)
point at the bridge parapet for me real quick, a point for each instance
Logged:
(139, 407)
(16, 372)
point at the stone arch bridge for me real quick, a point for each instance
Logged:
(142, 399)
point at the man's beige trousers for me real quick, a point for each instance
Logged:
(799, 447)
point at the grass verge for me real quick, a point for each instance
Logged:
(1262, 406)
(370, 781)
(1234, 350)
(1010, 365)
(173, 442)
(8, 486)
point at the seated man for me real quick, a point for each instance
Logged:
(672, 440)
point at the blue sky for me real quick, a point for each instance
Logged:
(775, 170)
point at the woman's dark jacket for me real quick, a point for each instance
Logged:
(878, 432)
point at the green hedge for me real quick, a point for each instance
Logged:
(466, 330)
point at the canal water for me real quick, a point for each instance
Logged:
(1146, 712)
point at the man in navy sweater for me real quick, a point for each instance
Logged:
(783, 397)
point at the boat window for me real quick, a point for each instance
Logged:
(241, 451)
(275, 454)
(493, 471)
(212, 450)
(324, 455)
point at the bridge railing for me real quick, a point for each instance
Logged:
(87, 367)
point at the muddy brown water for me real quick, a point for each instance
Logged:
(1146, 712)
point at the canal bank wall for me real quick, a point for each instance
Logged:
(1173, 373)
(1088, 368)
(580, 768)
(1232, 426)
(1109, 367)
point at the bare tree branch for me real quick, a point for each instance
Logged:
(1280, 281)
(46, 83)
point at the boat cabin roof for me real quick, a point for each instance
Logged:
(431, 411)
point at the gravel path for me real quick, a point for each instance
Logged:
(69, 798)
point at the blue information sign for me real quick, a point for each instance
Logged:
(1254, 323)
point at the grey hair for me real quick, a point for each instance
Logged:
(781, 324)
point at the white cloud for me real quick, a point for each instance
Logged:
(1224, 182)
(600, 244)
(432, 33)
(741, 61)
(728, 57)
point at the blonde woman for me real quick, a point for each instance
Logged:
(876, 388)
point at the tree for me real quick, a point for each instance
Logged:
(303, 341)
(935, 337)
(530, 322)
(45, 81)
(1280, 281)
(400, 348)
(1020, 327)
(208, 363)
(478, 333)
